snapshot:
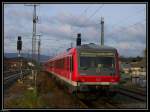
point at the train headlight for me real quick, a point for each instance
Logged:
(114, 83)
(112, 80)
(82, 80)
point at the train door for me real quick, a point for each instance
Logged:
(70, 67)
(53, 66)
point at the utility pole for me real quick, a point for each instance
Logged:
(28, 54)
(39, 46)
(35, 20)
(102, 31)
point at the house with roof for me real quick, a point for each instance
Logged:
(138, 68)
(125, 67)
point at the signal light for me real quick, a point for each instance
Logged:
(79, 39)
(19, 43)
(19, 37)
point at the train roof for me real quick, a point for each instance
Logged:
(85, 47)
(93, 46)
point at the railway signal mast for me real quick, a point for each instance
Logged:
(19, 48)
(102, 31)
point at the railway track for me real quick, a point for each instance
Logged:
(101, 103)
(8, 73)
(10, 77)
(109, 103)
(136, 91)
(132, 94)
(105, 102)
(141, 90)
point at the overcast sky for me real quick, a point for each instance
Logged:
(124, 27)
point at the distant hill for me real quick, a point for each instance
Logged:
(14, 55)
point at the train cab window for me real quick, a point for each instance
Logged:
(97, 64)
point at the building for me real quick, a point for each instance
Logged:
(14, 63)
(138, 68)
(125, 67)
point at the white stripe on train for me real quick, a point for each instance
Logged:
(74, 83)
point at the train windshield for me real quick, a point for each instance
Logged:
(97, 64)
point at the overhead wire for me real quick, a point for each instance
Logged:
(121, 30)
(92, 15)
(132, 25)
(126, 18)
(98, 9)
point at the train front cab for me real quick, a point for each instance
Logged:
(97, 71)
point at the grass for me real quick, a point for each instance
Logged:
(29, 99)
(48, 95)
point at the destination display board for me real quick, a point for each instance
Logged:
(95, 54)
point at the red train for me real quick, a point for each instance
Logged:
(86, 68)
